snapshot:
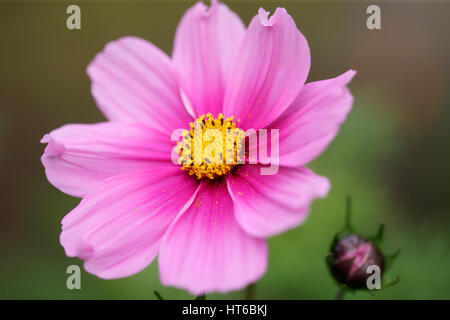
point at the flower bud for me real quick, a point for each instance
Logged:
(350, 258)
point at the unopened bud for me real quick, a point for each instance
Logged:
(350, 258)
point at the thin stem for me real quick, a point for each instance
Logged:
(158, 296)
(250, 291)
(348, 212)
(201, 297)
(339, 294)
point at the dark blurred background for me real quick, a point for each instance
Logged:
(392, 155)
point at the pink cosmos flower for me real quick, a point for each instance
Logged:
(209, 234)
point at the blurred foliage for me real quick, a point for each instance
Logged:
(43, 86)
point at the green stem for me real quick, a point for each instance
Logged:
(348, 212)
(250, 291)
(158, 296)
(339, 294)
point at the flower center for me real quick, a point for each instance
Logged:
(212, 147)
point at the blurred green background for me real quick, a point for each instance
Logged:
(392, 154)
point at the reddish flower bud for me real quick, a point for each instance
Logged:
(350, 258)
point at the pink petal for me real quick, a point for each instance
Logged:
(206, 45)
(313, 119)
(266, 205)
(205, 249)
(78, 156)
(117, 228)
(134, 81)
(272, 66)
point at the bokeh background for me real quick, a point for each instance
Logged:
(392, 154)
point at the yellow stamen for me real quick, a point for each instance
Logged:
(212, 147)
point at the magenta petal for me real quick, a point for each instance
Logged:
(266, 205)
(272, 66)
(206, 45)
(313, 119)
(134, 81)
(117, 228)
(78, 156)
(206, 250)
